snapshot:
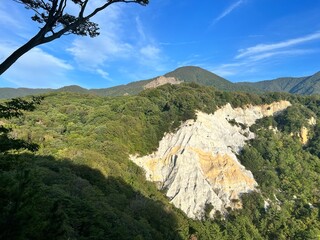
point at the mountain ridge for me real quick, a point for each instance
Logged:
(307, 85)
(298, 85)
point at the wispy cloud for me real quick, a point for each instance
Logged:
(132, 46)
(103, 74)
(140, 29)
(108, 46)
(115, 43)
(263, 48)
(252, 64)
(36, 68)
(251, 59)
(150, 52)
(228, 10)
(178, 43)
(17, 24)
(279, 53)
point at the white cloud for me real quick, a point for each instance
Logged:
(150, 56)
(119, 40)
(150, 52)
(278, 53)
(260, 48)
(140, 29)
(36, 69)
(103, 74)
(91, 53)
(6, 17)
(229, 69)
(228, 10)
(252, 59)
(251, 64)
(17, 24)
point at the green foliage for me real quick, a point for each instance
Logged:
(82, 185)
(288, 175)
(314, 143)
(294, 118)
(15, 108)
(42, 197)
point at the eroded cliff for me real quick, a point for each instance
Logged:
(161, 81)
(197, 165)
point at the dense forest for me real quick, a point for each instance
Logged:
(65, 171)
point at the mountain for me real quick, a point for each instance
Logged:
(180, 75)
(132, 88)
(21, 92)
(73, 88)
(180, 161)
(303, 85)
(183, 74)
(6, 93)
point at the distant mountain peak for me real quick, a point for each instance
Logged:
(73, 88)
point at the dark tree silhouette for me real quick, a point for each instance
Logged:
(15, 108)
(55, 22)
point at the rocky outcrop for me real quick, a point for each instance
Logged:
(197, 166)
(304, 131)
(161, 81)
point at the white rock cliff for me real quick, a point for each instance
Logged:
(197, 165)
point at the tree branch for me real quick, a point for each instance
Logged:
(56, 23)
(83, 7)
(109, 3)
(63, 31)
(61, 8)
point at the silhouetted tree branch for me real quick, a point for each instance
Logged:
(55, 21)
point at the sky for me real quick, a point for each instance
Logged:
(240, 40)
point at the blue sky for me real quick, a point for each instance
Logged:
(240, 40)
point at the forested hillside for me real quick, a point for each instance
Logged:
(303, 85)
(80, 184)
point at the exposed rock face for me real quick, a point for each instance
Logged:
(304, 131)
(161, 81)
(312, 121)
(197, 165)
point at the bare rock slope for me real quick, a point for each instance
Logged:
(161, 81)
(197, 165)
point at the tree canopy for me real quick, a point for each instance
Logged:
(55, 20)
(81, 184)
(15, 108)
